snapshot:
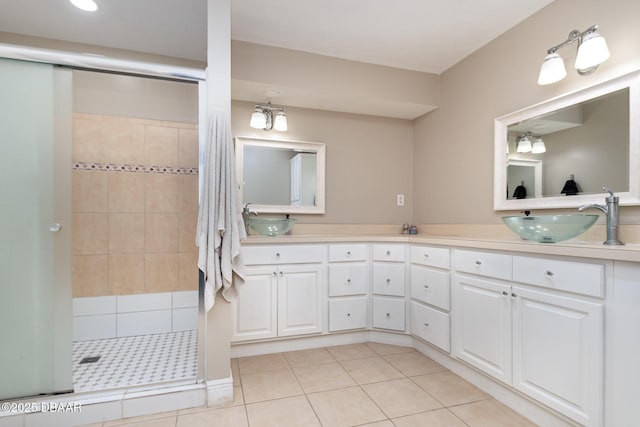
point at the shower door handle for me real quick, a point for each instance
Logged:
(55, 227)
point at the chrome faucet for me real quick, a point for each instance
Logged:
(611, 211)
(246, 213)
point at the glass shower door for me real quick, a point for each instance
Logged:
(35, 229)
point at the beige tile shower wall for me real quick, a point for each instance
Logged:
(133, 231)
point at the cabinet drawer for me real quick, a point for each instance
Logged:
(347, 252)
(432, 257)
(431, 325)
(388, 279)
(281, 254)
(388, 313)
(388, 253)
(347, 313)
(347, 279)
(430, 286)
(483, 264)
(578, 277)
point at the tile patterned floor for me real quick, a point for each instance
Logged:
(351, 385)
(137, 360)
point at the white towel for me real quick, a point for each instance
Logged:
(220, 223)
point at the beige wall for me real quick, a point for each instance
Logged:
(453, 163)
(369, 161)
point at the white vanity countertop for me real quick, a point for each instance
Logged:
(628, 252)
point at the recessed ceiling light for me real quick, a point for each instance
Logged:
(87, 5)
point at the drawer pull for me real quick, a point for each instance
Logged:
(426, 325)
(548, 273)
(478, 263)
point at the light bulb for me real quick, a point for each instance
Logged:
(592, 52)
(258, 119)
(86, 5)
(280, 123)
(552, 69)
(538, 146)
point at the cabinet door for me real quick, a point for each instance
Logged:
(430, 286)
(558, 353)
(431, 325)
(347, 313)
(254, 312)
(388, 279)
(482, 325)
(348, 278)
(299, 300)
(388, 313)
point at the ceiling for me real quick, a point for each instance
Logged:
(421, 35)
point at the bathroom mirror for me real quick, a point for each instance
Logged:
(592, 139)
(281, 176)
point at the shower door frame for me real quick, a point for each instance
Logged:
(135, 68)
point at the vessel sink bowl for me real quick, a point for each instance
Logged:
(549, 228)
(271, 226)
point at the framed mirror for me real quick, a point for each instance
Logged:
(281, 176)
(563, 151)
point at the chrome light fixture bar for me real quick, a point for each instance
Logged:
(263, 118)
(592, 51)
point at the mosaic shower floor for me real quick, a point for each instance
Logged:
(133, 361)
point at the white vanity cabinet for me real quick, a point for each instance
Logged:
(388, 280)
(430, 295)
(513, 320)
(283, 293)
(348, 286)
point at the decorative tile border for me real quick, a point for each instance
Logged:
(133, 168)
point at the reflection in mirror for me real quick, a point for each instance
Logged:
(588, 141)
(281, 176)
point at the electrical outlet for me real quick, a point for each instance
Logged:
(400, 199)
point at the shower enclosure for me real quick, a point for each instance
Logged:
(35, 229)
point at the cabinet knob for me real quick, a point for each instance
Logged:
(388, 252)
(348, 253)
(55, 227)
(348, 314)
(426, 255)
(388, 281)
(505, 293)
(349, 281)
(277, 254)
(478, 263)
(548, 273)
(274, 274)
(388, 315)
(513, 295)
(426, 325)
(281, 274)
(426, 286)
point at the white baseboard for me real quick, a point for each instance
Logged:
(220, 391)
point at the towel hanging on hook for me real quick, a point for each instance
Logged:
(570, 187)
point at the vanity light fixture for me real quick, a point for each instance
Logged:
(86, 5)
(525, 145)
(592, 51)
(262, 118)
